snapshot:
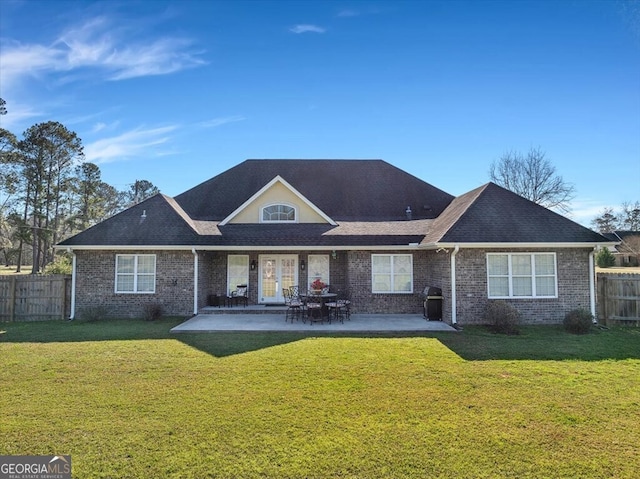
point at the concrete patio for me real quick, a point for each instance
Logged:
(254, 321)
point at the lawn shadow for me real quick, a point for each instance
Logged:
(221, 344)
(475, 343)
(217, 344)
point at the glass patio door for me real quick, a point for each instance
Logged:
(277, 272)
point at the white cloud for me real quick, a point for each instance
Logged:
(98, 127)
(99, 45)
(221, 121)
(348, 13)
(17, 115)
(305, 28)
(583, 211)
(135, 143)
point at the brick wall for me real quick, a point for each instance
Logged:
(573, 286)
(350, 271)
(95, 284)
(359, 280)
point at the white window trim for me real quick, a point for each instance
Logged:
(392, 282)
(295, 212)
(533, 276)
(135, 274)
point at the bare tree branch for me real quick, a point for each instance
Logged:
(532, 176)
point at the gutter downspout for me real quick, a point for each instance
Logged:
(592, 286)
(454, 313)
(72, 312)
(195, 281)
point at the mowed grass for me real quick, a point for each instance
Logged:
(128, 400)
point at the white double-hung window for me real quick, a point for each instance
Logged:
(522, 275)
(135, 273)
(391, 273)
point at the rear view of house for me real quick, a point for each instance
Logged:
(365, 227)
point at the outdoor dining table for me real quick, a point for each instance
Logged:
(323, 299)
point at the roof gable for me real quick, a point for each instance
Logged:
(492, 214)
(277, 191)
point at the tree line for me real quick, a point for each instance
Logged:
(48, 192)
(625, 218)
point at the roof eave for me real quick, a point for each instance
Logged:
(411, 246)
(436, 245)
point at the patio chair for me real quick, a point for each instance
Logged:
(294, 306)
(240, 294)
(339, 308)
(335, 311)
(344, 303)
(295, 291)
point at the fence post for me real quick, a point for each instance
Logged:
(602, 286)
(12, 298)
(63, 296)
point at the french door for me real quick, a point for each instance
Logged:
(277, 272)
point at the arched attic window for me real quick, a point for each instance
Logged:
(279, 213)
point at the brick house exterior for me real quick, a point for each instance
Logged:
(366, 227)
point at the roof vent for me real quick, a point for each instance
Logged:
(144, 214)
(408, 212)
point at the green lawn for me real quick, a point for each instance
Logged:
(126, 399)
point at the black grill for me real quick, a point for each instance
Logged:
(432, 303)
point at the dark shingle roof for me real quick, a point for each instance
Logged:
(309, 234)
(619, 235)
(164, 223)
(367, 198)
(345, 190)
(492, 214)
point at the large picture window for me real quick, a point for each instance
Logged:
(135, 273)
(392, 273)
(279, 213)
(522, 275)
(237, 271)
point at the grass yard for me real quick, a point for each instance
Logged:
(9, 270)
(128, 400)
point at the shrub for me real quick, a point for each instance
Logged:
(152, 311)
(60, 265)
(93, 313)
(501, 317)
(605, 258)
(578, 321)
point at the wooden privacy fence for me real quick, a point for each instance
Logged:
(34, 298)
(618, 298)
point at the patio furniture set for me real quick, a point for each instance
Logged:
(234, 298)
(316, 306)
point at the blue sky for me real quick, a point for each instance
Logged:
(177, 92)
